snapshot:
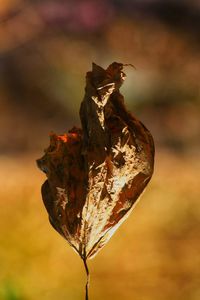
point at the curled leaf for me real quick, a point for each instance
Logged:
(96, 174)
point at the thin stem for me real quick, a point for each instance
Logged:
(88, 279)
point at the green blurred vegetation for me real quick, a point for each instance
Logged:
(46, 47)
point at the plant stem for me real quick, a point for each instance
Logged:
(88, 279)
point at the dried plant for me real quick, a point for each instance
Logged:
(96, 174)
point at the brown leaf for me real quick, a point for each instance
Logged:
(96, 174)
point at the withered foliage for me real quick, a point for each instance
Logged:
(95, 174)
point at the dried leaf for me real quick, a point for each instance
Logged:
(96, 174)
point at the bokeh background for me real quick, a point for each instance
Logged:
(46, 47)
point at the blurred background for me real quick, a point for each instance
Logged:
(46, 47)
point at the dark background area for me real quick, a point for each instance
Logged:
(46, 47)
